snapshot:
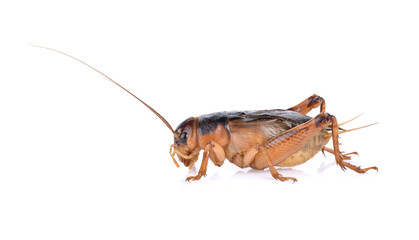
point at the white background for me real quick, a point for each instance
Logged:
(81, 159)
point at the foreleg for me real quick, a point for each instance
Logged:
(214, 151)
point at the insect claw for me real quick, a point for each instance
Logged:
(342, 166)
(195, 178)
(290, 179)
(358, 169)
(347, 157)
(279, 177)
(323, 152)
(370, 168)
(353, 153)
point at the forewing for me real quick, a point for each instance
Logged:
(248, 128)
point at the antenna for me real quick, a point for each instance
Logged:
(151, 109)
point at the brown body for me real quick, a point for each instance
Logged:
(238, 132)
(260, 139)
(256, 139)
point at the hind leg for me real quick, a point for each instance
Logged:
(284, 145)
(307, 105)
(338, 154)
(348, 165)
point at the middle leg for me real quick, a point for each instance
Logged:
(272, 169)
(344, 156)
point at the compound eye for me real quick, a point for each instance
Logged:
(183, 137)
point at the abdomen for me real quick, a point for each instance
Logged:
(311, 148)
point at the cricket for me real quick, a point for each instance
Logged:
(257, 139)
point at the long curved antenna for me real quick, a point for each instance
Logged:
(154, 111)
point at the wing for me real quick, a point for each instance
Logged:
(248, 128)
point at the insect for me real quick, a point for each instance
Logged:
(256, 139)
